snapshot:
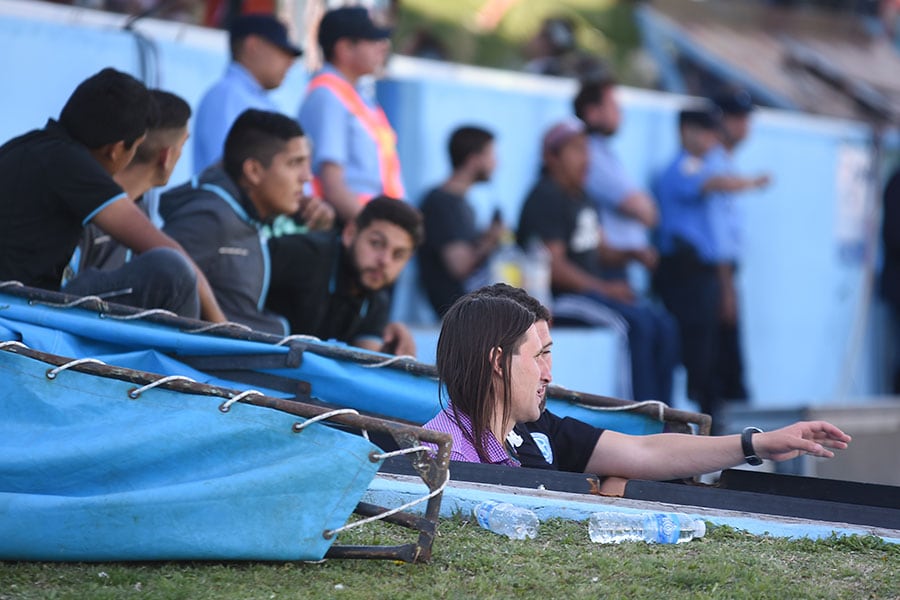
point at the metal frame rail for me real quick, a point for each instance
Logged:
(676, 420)
(433, 471)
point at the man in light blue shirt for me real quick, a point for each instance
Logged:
(261, 54)
(354, 146)
(626, 211)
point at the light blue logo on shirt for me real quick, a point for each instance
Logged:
(543, 444)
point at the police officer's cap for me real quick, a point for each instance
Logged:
(704, 116)
(734, 102)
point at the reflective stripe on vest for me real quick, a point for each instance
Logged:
(375, 122)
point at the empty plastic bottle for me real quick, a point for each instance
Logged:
(507, 519)
(536, 271)
(660, 528)
(506, 263)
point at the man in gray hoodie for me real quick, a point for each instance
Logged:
(219, 216)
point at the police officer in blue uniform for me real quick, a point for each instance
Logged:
(726, 219)
(687, 279)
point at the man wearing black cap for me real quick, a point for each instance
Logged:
(354, 145)
(727, 227)
(261, 54)
(687, 278)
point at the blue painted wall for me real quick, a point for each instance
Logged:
(800, 290)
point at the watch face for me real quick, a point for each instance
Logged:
(753, 460)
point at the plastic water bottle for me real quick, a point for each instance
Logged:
(536, 271)
(507, 519)
(660, 528)
(506, 263)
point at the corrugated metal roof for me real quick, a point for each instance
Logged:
(771, 47)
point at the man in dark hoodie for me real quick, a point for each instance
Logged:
(218, 216)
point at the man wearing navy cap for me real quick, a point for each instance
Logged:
(727, 228)
(261, 54)
(354, 145)
(687, 278)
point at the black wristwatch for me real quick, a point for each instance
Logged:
(747, 446)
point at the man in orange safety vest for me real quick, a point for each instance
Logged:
(354, 145)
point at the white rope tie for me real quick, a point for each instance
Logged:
(214, 326)
(376, 457)
(140, 315)
(389, 361)
(135, 393)
(73, 303)
(330, 533)
(299, 337)
(661, 407)
(226, 406)
(52, 373)
(12, 344)
(298, 427)
(6, 284)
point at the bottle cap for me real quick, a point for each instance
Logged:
(699, 528)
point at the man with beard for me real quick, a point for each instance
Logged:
(558, 212)
(455, 251)
(335, 286)
(626, 211)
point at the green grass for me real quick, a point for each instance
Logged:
(471, 563)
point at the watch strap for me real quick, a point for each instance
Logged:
(750, 455)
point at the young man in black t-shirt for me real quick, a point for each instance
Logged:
(454, 249)
(579, 447)
(558, 212)
(58, 179)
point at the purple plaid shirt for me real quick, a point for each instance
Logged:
(463, 450)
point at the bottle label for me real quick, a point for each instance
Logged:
(483, 512)
(667, 529)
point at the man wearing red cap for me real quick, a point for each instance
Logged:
(354, 145)
(559, 213)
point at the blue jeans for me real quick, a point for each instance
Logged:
(653, 342)
(159, 278)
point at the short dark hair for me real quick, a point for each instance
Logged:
(257, 134)
(503, 290)
(466, 141)
(591, 92)
(398, 212)
(108, 107)
(172, 113)
(474, 327)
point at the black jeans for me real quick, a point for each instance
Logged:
(689, 288)
(159, 278)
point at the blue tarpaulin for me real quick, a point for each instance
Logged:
(88, 473)
(143, 345)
